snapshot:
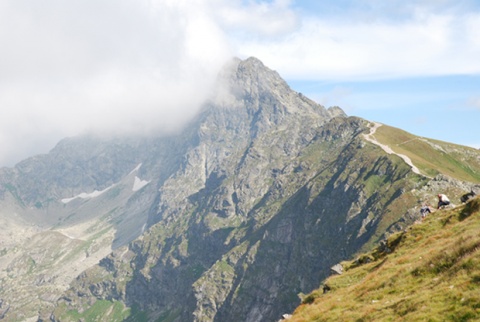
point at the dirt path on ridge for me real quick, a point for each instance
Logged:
(369, 137)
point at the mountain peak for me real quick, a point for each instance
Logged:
(249, 83)
(255, 65)
(335, 111)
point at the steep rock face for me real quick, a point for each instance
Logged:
(272, 191)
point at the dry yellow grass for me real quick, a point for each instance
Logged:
(432, 275)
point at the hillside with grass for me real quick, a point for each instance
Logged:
(428, 272)
(433, 157)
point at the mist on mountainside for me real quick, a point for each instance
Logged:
(135, 68)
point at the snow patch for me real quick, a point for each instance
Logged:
(66, 234)
(136, 168)
(139, 184)
(85, 195)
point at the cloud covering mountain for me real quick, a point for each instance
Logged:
(142, 66)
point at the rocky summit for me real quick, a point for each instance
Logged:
(232, 219)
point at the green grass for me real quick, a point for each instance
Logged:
(136, 315)
(430, 272)
(169, 316)
(432, 156)
(101, 310)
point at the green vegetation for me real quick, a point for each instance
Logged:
(430, 272)
(136, 315)
(169, 316)
(432, 156)
(101, 310)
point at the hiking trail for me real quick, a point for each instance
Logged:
(369, 137)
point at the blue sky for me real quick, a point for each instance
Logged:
(440, 107)
(144, 66)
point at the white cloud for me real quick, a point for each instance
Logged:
(123, 66)
(338, 95)
(342, 49)
(259, 19)
(474, 102)
(132, 66)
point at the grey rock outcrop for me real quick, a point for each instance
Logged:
(337, 269)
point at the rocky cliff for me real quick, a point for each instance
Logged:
(230, 220)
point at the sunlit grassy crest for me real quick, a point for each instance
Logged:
(430, 272)
(432, 156)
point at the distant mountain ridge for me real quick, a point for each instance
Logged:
(231, 219)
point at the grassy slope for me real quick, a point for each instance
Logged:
(432, 274)
(431, 156)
